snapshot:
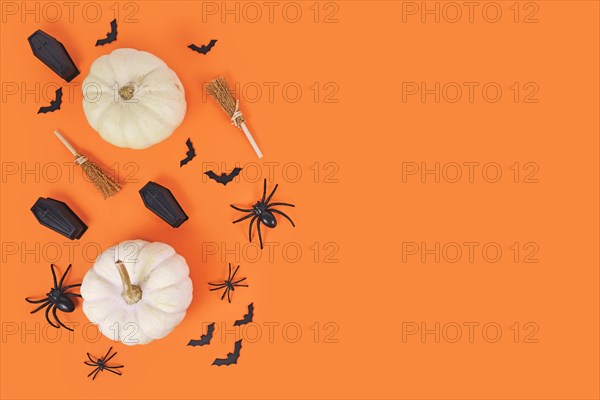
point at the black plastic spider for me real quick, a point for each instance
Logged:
(229, 285)
(264, 212)
(100, 364)
(58, 298)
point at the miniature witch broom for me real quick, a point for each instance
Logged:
(219, 90)
(106, 184)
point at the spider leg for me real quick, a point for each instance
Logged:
(62, 279)
(250, 228)
(229, 296)
(281, 213)
(58, 320)
(114, 372)
(46, 304)
(272, 193)
(107, 353)
(242, 285)
(48, 318)
(240, 209)
(73, 294)
(116, 366)
(229, 273)
(224, 293)
(96, 374)
(281, 204)
(234, 272)
(35, 301)
(71, 286)
(53, 274)
(259, 235)
(91, 359)
(238, 281)
(264, 190)
(217, 284)
(89, 363)
(243, 218)
(114, 354)
(93, 372)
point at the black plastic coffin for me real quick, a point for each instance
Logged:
(57, 216)
(161, 202)
(52, 53)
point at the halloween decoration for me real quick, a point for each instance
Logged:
(110, 36)
(224, 178)
(190, 154)
(106, 184)
(263, 211)
(220, 91)
(58, 298)
(204, 48)
(161, 202)
(232, 358)
(52, 53)
(247, 317)
(229, 284)
(146, 101)
(100, 364)
(204, 339)
(137, 291)
(57, 216)
(54, 104)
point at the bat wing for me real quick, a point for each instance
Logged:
(54, 104)
(204, 339)
(228, 178)
(44, 110)
(247, 317)
(191, 153)
(203, 49)
(195, 48)
(232, 358)
(235, 172)
(110, 36)
(213, 176)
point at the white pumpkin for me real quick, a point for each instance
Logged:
(133, 99)
(137, 291)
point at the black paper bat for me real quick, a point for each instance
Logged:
(247, 317)
(204, 339)
(110, 36)
(191, 153)
(54, 104)
(223, 178)
(232, 358)
(203, 49)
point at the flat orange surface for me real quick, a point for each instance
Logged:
(443, 158)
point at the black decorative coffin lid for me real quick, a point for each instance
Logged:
(52, 53)
(57, 216)
(161, 202)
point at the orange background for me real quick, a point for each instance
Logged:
(370, 295)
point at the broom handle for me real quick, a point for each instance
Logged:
(251, 139)
(67, 144)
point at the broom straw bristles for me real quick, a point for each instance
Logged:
(219, 90)
(105, 183)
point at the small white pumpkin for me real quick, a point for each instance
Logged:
(137, 291)
(133, 99)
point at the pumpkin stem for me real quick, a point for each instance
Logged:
(131, 293)
(126, 92)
